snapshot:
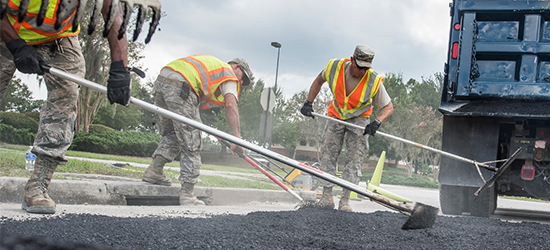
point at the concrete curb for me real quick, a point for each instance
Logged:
(109, 190)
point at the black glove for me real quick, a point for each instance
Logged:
(118, 85)
(307, 109)
(372, 127)
(26, 58)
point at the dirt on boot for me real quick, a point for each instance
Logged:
(36, 198)
(187, 196)
(327, 200)
(154, 174)
(343, 204)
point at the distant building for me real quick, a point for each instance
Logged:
(305, 151)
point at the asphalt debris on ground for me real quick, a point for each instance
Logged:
(304, 228)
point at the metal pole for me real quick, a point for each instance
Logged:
(277, 70)
(268, 135)
(278, 46)
(456, 157)
(291, 162)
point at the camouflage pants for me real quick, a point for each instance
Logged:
(356, 148)
(172, 92)
(58, 114)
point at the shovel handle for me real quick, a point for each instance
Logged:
(453, 156)
(268, 153)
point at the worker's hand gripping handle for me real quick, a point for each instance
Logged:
(227, 144)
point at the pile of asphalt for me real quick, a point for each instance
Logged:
(306, 228)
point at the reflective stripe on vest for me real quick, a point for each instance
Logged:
(359, 102)
(29, 30)
(205, 74)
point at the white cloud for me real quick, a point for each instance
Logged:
(409, 36)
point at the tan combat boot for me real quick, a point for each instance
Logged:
(36, 198)
(187, 197)
(326, 199)
(154, 173)
(344, 201)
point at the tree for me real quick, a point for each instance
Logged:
(420, 124)
(95, 49)
(132, 117)
(415, 118)
(309, 129)
(249, 113)
(18, 98)
(398, 92)
(427, 92)
(287, 134)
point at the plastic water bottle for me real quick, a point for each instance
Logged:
(30, 158)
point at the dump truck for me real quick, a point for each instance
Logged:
(496, 99)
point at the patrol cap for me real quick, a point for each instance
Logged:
(363, 56)
(244, 68)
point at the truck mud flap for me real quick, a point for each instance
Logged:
(472, 137)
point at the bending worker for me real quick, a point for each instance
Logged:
(355, 87)
(28, 46)
(184, 86)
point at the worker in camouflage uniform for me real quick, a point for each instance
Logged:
(28, 46)
(355, 87)
(184, 86)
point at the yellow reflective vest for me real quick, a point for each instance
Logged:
(30, 31)
(205, 74)
(358, 103)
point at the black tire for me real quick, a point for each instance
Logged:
(451, 199)
(484, 204)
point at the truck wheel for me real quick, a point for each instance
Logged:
(451, 199)
(484, 204)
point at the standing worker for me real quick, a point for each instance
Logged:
(355, 87)
(28, 46)
(184, 86)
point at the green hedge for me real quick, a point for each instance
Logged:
(20, 121)
(117, 143)
(396, 179)
(33, 115)
(99, 128)
(9, 134)
(17, 128)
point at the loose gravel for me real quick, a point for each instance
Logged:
(305, 228)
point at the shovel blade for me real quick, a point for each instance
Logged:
(422, 216)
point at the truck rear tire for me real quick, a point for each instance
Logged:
(451, 199)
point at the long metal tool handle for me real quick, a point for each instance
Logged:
(271, 177)
(453, 156)
(293, 163)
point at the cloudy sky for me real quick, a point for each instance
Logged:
(408, 36)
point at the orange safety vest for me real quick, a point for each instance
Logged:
(358, 103)
(29, 30)
(205, 74)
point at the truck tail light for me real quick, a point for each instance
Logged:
(527, 172)
(455, 50)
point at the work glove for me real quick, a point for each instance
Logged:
(119, 84)
(26, 58)
(372, 127)
(307, 109)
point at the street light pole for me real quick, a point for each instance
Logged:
(278, 46)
